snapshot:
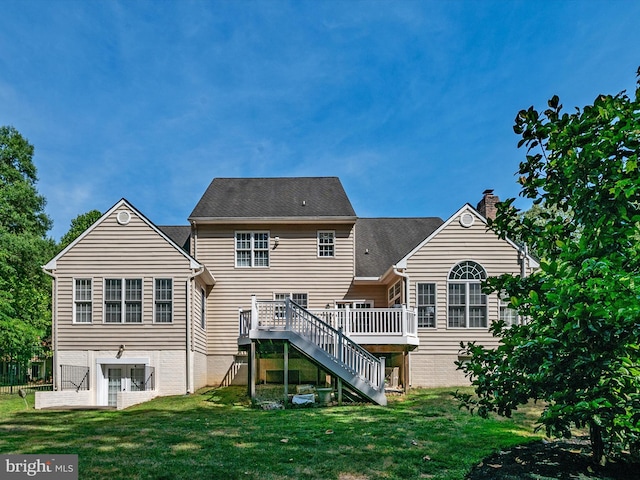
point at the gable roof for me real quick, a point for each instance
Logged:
(180, 234)
(193, 263)
(382, 242)
(402, 263)
(274, 199)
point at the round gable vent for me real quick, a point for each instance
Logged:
(123, 217)
(466, 219)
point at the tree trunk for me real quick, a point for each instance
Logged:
(597, 445)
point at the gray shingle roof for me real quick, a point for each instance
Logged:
(179, 234)
(273, 198)
(388, 240)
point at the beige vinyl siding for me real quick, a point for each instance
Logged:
(198, 334)
(294, 267)
(375, 293)
(112, 250)
(432, 264)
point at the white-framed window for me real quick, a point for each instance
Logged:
(359, 304)
(467, 305)
(123, 300)
(301, 299)
(203, 309)
(326, 243)
(395, 293)
(507, 314)
(252, 249)
(82, 300)
(426, 295)
(163, 300)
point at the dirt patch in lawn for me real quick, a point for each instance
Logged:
(568, 460)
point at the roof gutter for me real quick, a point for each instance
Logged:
(366, 280)
(273, 220)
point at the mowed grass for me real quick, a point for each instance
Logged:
(215, 434)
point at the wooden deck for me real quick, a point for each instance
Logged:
(317, 339)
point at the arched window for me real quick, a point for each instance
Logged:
(467, 303)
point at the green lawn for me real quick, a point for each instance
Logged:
(214, 434)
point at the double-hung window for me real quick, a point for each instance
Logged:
(426, 295)
(133, 301)
(82, 300)
(163, 300)
(123, 300)
(326, 243)
(395, 293)
(467, 304)
(301, 299)
(507, 314)
(252, 249)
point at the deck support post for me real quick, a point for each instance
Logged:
(286, 372)
(339, 391)
(405, 371)
(252, 371)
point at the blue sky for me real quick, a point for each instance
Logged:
(411, 104)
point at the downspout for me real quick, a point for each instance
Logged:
(524, 251)
(54, 326)
(407, 285)
(189, 366)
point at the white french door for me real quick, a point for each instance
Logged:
(114, 378)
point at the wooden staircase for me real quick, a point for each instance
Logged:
(317, 340)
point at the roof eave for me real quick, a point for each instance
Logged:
(365, 280)
(271, 220)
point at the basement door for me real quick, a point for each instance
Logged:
(114, 376)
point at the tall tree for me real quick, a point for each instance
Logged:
(25, 291)
(579, 351)
(78, 226)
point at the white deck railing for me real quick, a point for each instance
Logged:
(354, 322)
(383, 322)
(288, 316)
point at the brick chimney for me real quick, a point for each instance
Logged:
(487, 207)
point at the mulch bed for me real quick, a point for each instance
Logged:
(570, 460)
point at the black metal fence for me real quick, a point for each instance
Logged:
(73, 377)
(33, 376)
(143, 381)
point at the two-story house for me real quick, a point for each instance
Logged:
(280, 272)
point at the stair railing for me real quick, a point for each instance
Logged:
(338, 346)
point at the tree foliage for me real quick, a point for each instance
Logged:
(25, 318)
(78, 226)
(579, 350)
